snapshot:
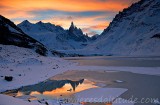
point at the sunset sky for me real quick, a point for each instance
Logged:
(92, 16)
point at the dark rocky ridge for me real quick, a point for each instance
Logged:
(10, 34)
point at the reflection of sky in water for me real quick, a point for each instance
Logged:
(65, 88)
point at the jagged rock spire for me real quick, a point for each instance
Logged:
(71, 28)
(72, 24)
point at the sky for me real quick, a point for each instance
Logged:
(92, 16)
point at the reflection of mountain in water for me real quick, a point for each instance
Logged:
(49, 86)
(74, 84)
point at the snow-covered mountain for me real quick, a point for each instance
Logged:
(55, 37)
(10, 34)
(134, 31)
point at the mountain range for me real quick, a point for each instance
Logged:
(133, 31)
(55, 37)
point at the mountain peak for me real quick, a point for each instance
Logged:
(72, 25)
(1, 17)
(26, 22)
(76, 33)
(40, 22)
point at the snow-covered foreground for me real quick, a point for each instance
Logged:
(7, 100)
(26, 67)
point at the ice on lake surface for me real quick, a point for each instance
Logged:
(117, 61)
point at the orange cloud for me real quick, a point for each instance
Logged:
(100, 26)
(81, 22)
(92, 30)
(65, 5)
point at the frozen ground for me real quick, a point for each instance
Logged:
(26, 67)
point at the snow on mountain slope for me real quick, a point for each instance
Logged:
(55, 37)
(27, 67)
(134, 31)
(10, 34)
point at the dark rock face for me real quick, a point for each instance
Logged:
(76, 34)
(10, 34)
(156, 36)
(8, 78)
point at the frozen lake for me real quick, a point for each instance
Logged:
(117, 61)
